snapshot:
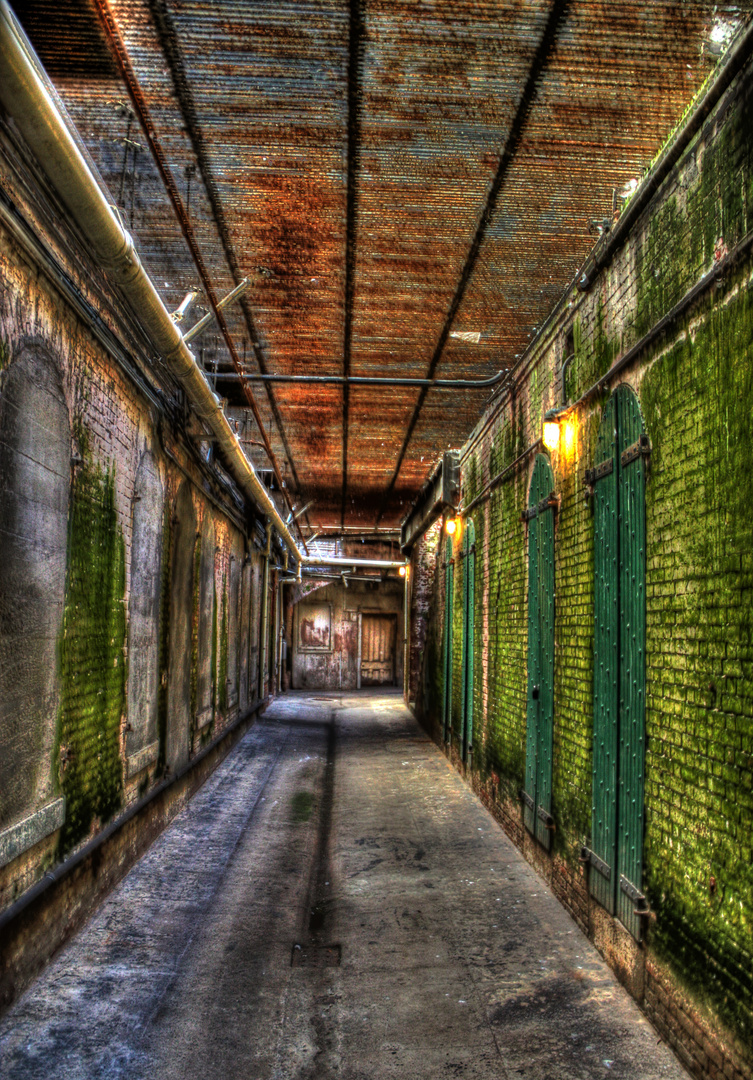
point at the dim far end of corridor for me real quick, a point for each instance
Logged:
(376, 552)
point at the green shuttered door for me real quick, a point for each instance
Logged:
(619, 659)
(469, 593)
(447, 644)
(540, 707)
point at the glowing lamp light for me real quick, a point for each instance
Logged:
(401, 571)
(551, 436)
(551, 433)
(569, 438)
(450, 525)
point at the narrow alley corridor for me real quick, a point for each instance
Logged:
(334, 902)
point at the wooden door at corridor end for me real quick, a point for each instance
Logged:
(618, 480)
(378, 637)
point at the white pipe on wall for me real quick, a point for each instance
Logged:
(27, 100)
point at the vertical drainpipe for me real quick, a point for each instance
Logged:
(264, 612)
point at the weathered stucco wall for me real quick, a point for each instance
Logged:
(694, 385)
(336, 667)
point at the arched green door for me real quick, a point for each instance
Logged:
(619, 479)
(537, 794)
(449, 588)
(469, 594)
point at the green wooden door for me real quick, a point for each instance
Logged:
(449, 587)
(469, 611)
(537, 794)
(619, 659)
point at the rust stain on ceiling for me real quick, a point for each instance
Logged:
(408, 185)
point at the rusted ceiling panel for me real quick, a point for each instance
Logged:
(342, 155)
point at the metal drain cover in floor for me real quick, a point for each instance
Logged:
(316, 956)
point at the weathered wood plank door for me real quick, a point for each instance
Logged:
(378, 636)
(537, 795)
(619, 659)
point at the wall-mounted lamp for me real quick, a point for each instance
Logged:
(551, 434)
(401, 571)
(450, 525)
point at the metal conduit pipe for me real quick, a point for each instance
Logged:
(365, 380)
(26, 99)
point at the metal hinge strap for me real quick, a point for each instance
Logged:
(588, 856)
(633, 893)
(551, 502)
(526, 798)
(642, 448)
(546, 817)
(600, 471)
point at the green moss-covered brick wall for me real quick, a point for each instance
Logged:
(697, 403)
(93, 669)
(694, 382)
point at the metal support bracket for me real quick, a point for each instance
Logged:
(546, 817)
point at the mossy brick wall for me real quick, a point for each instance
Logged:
(695, 387)
(697, 401)
(93, 661)
(112, 426)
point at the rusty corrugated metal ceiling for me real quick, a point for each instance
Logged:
(389, 174)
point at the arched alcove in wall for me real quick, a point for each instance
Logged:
(143, 617)
(207, 617)
(181, 618)
(35, 479)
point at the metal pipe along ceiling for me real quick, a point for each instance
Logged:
(25, 98)
(367, 380)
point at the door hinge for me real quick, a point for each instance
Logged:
(642, 448)
(551, 502)
(546, 817)
(600, 471)
(526, 798)
(634, 894)
(588, 856)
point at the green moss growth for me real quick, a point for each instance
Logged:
(164, 636)
(222, 688)
(92, 660)
(301, 806)
(4, 354)
(699, 693)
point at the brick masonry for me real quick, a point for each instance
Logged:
(78, 746)
(693, 971)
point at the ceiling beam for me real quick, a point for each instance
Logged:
(540, 59)
(138, 100)
(351, 227)
(170, 46)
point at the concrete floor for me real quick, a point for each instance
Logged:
(333, 903)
